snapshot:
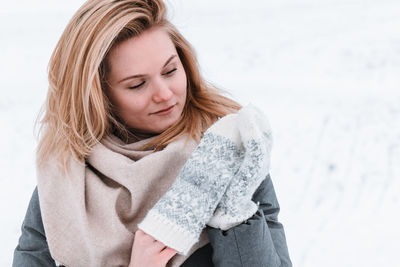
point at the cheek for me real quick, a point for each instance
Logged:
(129, 104)
(181, 85)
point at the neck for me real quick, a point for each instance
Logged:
(132, 135)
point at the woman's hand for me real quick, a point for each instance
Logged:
(147, 251)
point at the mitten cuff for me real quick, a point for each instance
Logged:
(168, 232)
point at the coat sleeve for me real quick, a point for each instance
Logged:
(260, 241)
(32, 249)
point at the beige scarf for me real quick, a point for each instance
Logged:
(90, 217)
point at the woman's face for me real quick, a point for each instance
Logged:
(147, 82)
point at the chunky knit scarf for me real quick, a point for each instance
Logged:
(91, 215)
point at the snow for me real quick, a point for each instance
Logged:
(326, 74)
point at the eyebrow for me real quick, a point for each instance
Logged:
(141, 75)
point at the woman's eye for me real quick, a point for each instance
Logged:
(170, 72)
(136, 86)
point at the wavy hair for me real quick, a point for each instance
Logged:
(77, 113)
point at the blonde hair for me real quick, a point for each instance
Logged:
(77, 113)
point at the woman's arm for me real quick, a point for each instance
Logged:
(32, 249)
(258, 242)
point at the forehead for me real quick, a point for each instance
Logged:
(143, 53)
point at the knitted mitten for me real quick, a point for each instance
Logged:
(179, 216)
(236, 205)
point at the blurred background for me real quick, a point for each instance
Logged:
(326, 73)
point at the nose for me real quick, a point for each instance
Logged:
(162, 92)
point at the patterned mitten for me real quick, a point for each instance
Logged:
(236, 205)
(179, 216)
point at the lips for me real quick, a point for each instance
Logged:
(163, 110)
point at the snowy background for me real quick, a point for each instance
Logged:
(326, 72)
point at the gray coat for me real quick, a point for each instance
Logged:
(258, 242)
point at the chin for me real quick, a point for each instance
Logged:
(167, 125)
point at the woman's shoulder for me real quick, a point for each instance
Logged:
(32, 248)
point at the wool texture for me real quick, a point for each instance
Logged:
(90, 216)
(236, 205)
(231, 161)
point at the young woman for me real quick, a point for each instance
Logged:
(140, 161)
